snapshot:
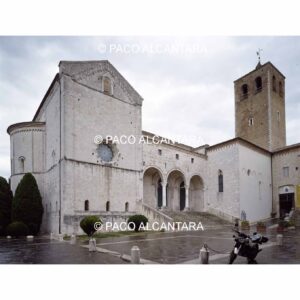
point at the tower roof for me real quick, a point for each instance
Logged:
(259, 66)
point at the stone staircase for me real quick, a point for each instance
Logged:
(208, 220)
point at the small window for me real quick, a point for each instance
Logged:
(177, 156)
(250, 121)
(107, 86)
(86, 205)
(159, 152)
(280, 89)
(192, 160)
(258, 84)
(22, 164)
(126, 207)
(220, 181)
(107, 206)
(248, 172)
(244, 91)
(286, 171)
(278, 116)
(56, 206)
(274, 83)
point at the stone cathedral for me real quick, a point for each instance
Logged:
(253, 176)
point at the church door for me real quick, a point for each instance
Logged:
(182, 196)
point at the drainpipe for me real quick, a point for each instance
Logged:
(272, 183)
(60, 116)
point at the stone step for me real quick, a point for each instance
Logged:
(203, 217)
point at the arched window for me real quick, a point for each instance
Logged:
(220, 181)
(274, 83)
(280, 89)
(244, 91)
(86, 205)
(258, 84)
(22, 164)
(107, 86)
(126, 206)
(107, 206)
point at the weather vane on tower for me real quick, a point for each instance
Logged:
(258, 52)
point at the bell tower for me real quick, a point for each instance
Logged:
(260, 107)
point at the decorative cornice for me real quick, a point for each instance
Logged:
(25, 126)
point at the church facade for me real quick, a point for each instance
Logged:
(253, 176)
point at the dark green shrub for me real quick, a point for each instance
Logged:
(88, 224)
(17, 229)
(135, 221)
(5, 204)
(27, 204)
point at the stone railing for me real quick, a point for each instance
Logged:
(221, 214)
(153, 214)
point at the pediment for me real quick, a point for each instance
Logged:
(91, 75)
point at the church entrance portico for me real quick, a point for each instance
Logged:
(154, 188)
(177, 192)
(196, 193)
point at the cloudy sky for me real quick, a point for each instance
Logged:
(186, 83)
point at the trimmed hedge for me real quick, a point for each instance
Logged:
(5, 204)
(135, 221)
(17, 229)
(87, 224)
(27, 204)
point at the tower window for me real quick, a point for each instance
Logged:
(274, 83)
(159, 152)
(251, 121)
(192, 160)
(244, 91)
(177, 156)
(107, 86)
(126, 206)
(86, 205)
(220, 181)
(280, 89)
(278, 116)
(107, 206)
(258, 84)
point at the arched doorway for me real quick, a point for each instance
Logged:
(176, 190)
(286, 200)
(196, 194)
(152, 187)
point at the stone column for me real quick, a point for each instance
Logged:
(164, 194)
(187, 202)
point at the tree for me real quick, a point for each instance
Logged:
(135, 222)
(27, 204)
(5, 204)
(87, 224)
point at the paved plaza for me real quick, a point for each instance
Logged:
(156, 248)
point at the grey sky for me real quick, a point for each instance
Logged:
(186, 83)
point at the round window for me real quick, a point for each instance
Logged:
(105, 152)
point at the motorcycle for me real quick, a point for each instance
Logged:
(247, 246)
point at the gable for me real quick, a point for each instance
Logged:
(92, 74)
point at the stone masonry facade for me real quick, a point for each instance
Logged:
(235, 179)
